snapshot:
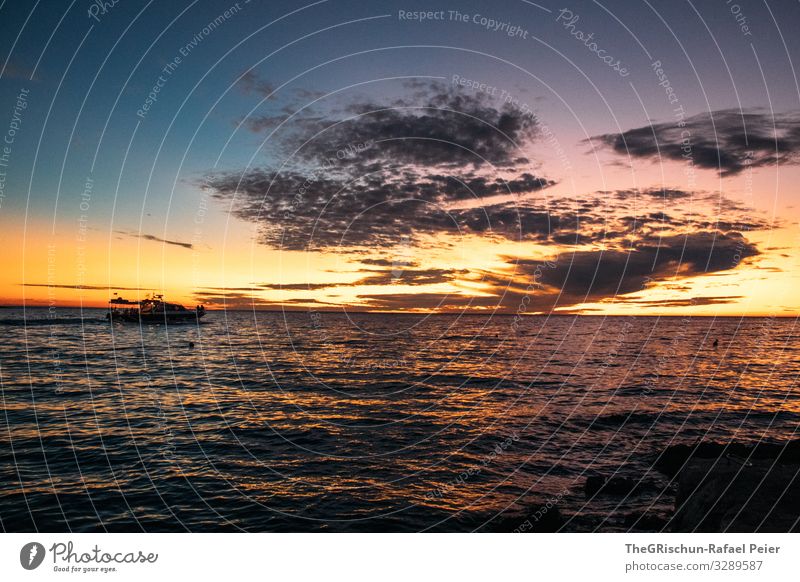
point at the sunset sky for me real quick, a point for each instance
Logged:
(640, 158)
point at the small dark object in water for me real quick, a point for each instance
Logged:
(716, 343)
(191, 344)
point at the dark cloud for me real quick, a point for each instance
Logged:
(427, 301)
(301, 286)
(385, 209)
(399, 274)
(247, 301)
(88, 287)
(265, 122)
(540, 285)
(388, 262)
(165, 241)
(472, 186)
(690, 302)
(583, 276)
(726, 140)
(439, 125)
(154, 238)
(595, 274)
(250, 82)
(353, 178)
(386, 177)
(569, 279)
(667, 194)
(228, 289)
(375, 209)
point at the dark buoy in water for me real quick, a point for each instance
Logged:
(191, 344)
(716, 343)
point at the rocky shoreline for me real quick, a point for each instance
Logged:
(734, 487)
(717, 487)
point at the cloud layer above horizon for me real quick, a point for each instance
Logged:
(441, 165)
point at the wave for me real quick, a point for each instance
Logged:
(25, 322)
(624, 418)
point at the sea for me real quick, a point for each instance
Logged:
(356, 422)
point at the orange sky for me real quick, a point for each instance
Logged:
(229, 262)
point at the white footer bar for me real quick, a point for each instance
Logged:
(399, 557)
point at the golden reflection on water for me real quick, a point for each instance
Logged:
(402, 416)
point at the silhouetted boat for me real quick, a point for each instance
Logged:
(151, 310)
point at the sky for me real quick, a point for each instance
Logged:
(510, 157)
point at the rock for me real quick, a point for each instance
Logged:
(674, 457)
(593, 485)
(619, 486)
(731, 494)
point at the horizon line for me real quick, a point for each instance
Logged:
(448, 313)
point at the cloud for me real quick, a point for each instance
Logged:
(667, 194)
(381, 178)
(249, 82)
(596, 275)
(88, 287)
(727, 140)
(427, 301)
(543, 284)
(383, 210)
(388, 262)
(298, 212)
(154, 238)
(247, 301)
(690, 302)
(383, 175)
(369, 174)
(399, 274)
(227, 289)
(301, 286)
(440, 125)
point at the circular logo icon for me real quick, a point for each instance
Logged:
(31, 555)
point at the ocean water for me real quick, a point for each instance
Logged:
(364, 422)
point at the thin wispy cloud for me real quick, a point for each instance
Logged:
(87, 287)
(153, 238)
